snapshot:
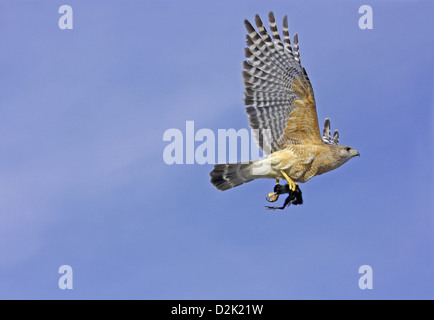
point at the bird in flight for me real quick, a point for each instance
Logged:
(282, 115)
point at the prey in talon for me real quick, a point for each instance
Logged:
(294, 197)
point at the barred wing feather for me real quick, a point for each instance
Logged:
(278, 93)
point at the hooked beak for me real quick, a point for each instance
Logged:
(355, 153)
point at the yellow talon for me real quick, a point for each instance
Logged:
(272, 196)
(292, 185)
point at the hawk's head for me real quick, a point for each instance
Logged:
(343, 153)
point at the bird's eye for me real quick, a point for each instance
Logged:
(348, 149)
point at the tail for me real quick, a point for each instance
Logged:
(226, 176)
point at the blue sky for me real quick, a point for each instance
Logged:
(83, 181)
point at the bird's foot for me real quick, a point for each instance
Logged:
(272, 197)
(291, 184)
(294, 196)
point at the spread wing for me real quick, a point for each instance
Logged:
(278, 92)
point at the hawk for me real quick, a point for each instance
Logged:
(280, 102)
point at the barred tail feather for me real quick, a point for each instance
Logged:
(226, 176)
